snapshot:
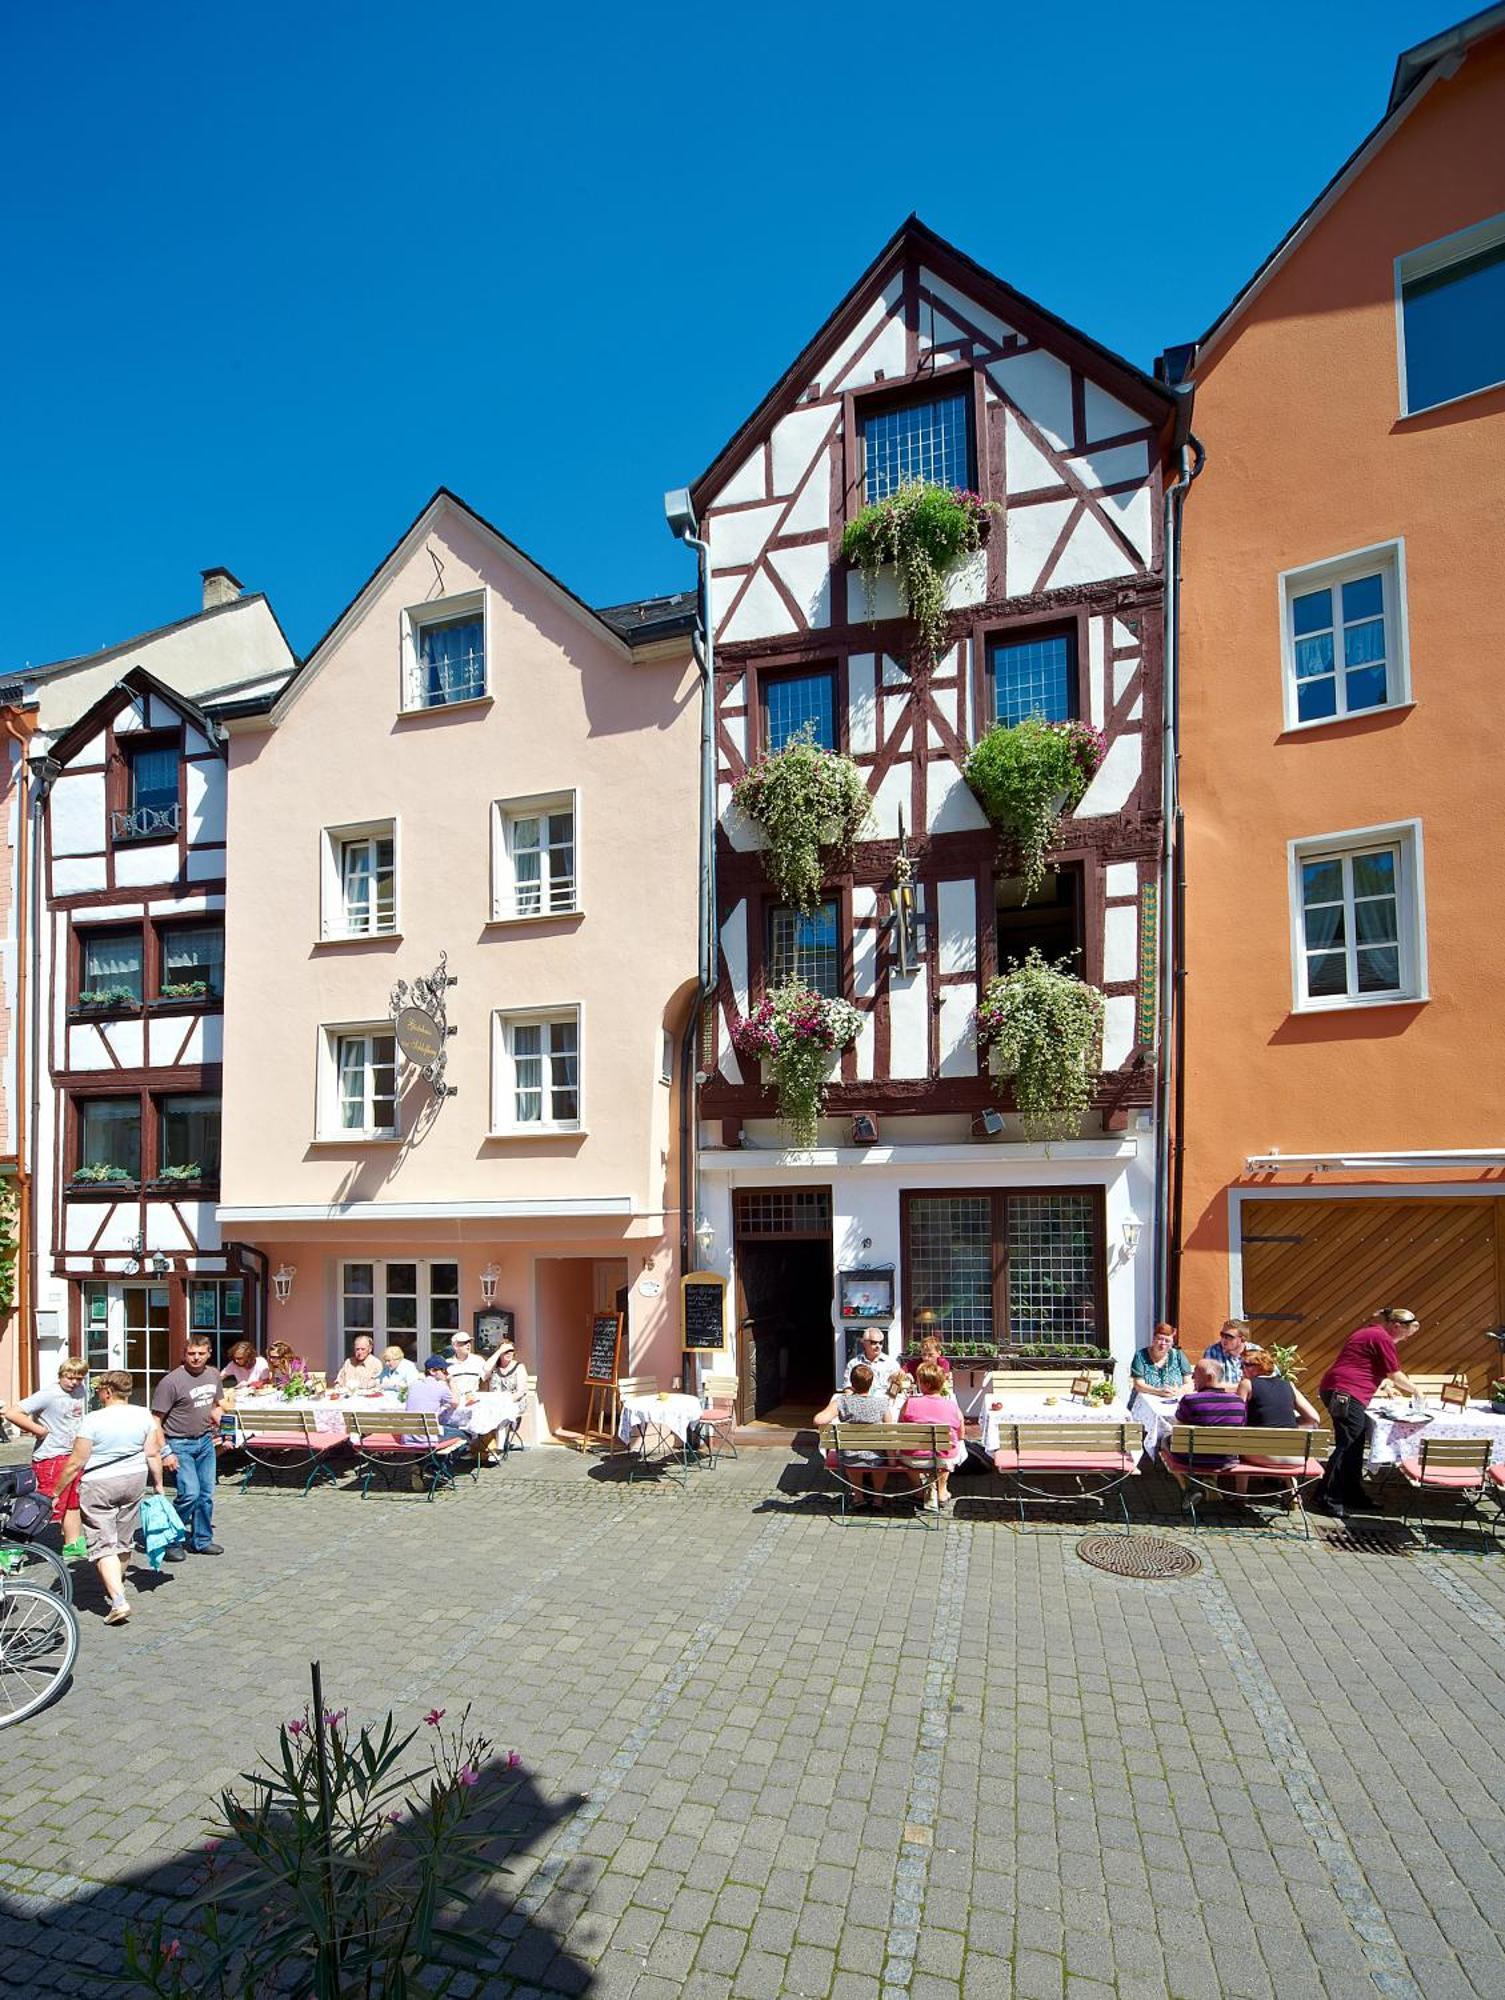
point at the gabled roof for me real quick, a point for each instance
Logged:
(648, 618)
(134, 683)
(913, 239)
(55, 667)
(1415, 73)
(441, 501)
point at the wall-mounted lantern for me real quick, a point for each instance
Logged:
(282, 1282)
(489, 1279)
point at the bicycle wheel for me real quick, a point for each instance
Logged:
(31, 1562)
(38, 1645)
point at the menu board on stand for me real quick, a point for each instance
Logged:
(602, 1368)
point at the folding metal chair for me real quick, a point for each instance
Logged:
(1459, 1466)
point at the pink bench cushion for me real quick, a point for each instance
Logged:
(398, 1446)
(1453, 1478)
(1055, 1461)
(279, 1441)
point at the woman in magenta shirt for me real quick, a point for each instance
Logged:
(935, 1405)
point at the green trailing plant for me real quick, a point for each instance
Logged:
(1026, 775)
(185, 989)
(1043, 1026)
(1054, 1350)
(804, 798)
(346, 1867)
(10, 1242)
(97, 1170)
(109, 996)
(191, 1171)
(798, 1034)
(926, 533)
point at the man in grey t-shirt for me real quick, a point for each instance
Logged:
(52, 1416)
(188, 1403)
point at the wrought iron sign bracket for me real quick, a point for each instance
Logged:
(420, 1024)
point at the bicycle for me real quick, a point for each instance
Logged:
(24, 1513)
(38, 1645)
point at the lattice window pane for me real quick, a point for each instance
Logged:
(1035, 677)
(950, 1256)
(802, 701)
(1052, 1267)
(784, 1212)
(806, 949)
(925, 442)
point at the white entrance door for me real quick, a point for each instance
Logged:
(127, 1326)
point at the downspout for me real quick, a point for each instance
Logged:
(41, 786)
(1168, 1092)
(703, 644)
(26, 1370)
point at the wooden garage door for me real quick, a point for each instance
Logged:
(1314, 1270)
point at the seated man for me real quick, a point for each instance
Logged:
(1228, 1351)
(468, 1373)
(435, 1395)
(361, 1374)
(1211, 1401)
(871, 1356)
(1160, 1370)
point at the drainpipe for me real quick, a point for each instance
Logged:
(43, 771)
(26, 1372)
(1166, 1289)
(683, 526)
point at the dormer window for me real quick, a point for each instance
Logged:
(927, 443)
(446, 653)
(152, 810)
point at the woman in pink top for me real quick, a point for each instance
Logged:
(936, 1405)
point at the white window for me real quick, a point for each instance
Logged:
(1450, 316)
(358, 1088)
(535, 863)
(444, 652)
(1358, 918)
(1344, 636)
(410, 1303)
(358, 880)
(536, 1066)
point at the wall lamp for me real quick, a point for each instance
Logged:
(488, 1283)
(1133, 1229)
(705, 1235)
(282, 1282)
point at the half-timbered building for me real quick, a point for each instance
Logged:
(931, 369)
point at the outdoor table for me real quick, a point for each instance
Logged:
(1035, 1410)
(659, 1425)
(487, 1413)
(1156, 1416)
(1392, 1439)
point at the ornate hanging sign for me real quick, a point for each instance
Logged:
(419, 1011)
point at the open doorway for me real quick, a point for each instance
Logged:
(785, 1344)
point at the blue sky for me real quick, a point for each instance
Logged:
(276, 272)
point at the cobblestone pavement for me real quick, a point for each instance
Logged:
(768, 1753)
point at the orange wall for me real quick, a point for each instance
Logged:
(1307, 459)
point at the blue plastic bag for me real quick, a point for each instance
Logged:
(161, 1525)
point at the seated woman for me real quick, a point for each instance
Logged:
(398, 1374)
(861, 1404)
(930, 1350)
(934, 1404)
(1212, 1401)
(510, 1376)
(284, 1364)
(1274, 1404)
(1160, 1370)
(246, 1369)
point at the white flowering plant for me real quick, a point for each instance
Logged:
(797, 1033)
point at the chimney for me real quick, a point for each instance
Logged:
(220, 587)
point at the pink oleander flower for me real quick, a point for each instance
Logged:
(469, 1776)
(172, 1949)
(514, 1758)
(394, 1819)
(295, 1728)
(434, 1717)
(333, 1717)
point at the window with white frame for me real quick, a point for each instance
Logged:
(359, 880)
(400, 1302)
(536, 1063)
(1357, 917)
(360, 1084)
(535, 869)
(445, 652)
(1344, 638)
(1450, 310)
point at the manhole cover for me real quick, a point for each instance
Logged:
(1137, 1555)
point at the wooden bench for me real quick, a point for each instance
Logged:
(1230, 1450)
(1099, 1458)
(916, 1450)
(284, 1441)
(388, 1440)
(1030, 1385)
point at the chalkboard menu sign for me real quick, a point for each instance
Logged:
(703, 1309)
(606, 1339)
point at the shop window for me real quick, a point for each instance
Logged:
(1006, 1268)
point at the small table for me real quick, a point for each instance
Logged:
(664, 1419)
(1035, 1410)
(1157, 1416)
(1391, 1439)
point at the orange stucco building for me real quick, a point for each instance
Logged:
(1342, 651)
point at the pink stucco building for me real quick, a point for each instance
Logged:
(472, 769)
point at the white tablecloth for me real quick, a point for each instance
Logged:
(1156, 1417)
(1034, 1410)
(1389, 1441)
(670, 1416)
(487, 1413)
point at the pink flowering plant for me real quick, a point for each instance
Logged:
(926, 532)
(797, 1033)
(1026, 776)
(346, 1868)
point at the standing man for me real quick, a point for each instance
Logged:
(884, 1366)
(188, 1403)
(1364, 1360)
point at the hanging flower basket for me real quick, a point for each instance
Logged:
(804, 798)
(1042, 1029)
(799, 1034)
(927, 533)
(1027, 776)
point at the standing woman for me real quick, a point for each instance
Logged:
(118, 1446)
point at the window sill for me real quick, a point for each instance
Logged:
(1452, 402)
(199, 1190)
(445, 707)
(541, 917)
(358, 937)
(125, 1012)
(1340, 721)
(540, 1132)
(205, 1003)
(357, 1139)
(103, 1190)
(1314, 1009)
